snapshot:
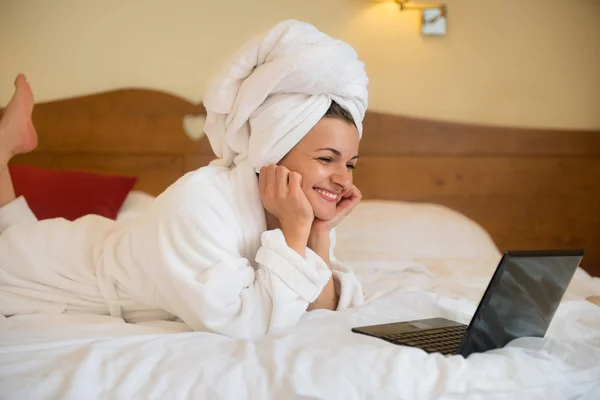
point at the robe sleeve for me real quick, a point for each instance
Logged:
(182, 256)
(15, 212)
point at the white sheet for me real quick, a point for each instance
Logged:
(75, 357)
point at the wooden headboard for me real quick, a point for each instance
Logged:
(529, 188)
(131, 132)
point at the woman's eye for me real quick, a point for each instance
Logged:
(351, 166)
(325, 159)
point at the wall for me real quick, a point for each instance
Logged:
(507, 62)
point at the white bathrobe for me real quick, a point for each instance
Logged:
(202, 252)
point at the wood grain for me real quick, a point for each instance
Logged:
(421, 177)
(125, 121)
(387, 134)
(193, 162)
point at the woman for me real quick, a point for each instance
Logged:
(221, 249)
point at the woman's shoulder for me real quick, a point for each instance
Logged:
(208, 187)
(208, 179)
(198, 208)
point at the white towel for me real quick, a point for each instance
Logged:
(276, 88)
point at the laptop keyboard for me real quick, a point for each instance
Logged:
(443, 340)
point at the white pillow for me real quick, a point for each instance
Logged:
(397, 230)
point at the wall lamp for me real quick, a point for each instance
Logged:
(433, 16)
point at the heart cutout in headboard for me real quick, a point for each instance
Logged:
(193, 125)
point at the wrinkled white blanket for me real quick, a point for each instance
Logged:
(74, 357)
(438, 275)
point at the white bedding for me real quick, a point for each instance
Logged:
(415, 261)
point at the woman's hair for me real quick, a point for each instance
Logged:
(336, 111)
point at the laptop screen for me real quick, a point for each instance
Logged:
(521, 299)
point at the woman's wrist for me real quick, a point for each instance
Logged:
(296, 236)
(320, 242)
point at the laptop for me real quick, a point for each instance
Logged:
(520, 301)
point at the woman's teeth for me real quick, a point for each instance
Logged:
(329, 195)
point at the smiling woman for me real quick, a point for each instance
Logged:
(311, 190)
(220, 249)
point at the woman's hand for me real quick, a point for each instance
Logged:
(282, 196)
(319, 240)
(350, 198)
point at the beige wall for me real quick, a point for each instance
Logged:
(509, 62)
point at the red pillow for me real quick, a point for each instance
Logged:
(70, 194)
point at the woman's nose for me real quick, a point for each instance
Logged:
(343, 177)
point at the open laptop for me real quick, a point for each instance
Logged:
(520, 301)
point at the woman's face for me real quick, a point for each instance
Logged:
(325, 158)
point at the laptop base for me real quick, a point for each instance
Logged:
(434, 335)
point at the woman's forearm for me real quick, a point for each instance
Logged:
(328, 299)
(319, 242)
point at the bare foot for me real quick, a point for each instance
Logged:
(17, 133)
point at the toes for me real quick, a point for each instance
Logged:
(23, 88)
(20, 78)
(21, 82)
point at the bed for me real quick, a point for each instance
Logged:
(442, 201)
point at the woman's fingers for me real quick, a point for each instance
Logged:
(282, 195)
(295, 180)
(271, 188)
(350, 199)
(282, 174)
(353, 193)
(262, 181)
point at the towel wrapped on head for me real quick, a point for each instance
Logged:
(275, 89)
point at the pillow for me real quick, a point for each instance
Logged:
(70, 194)
(397, 230)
